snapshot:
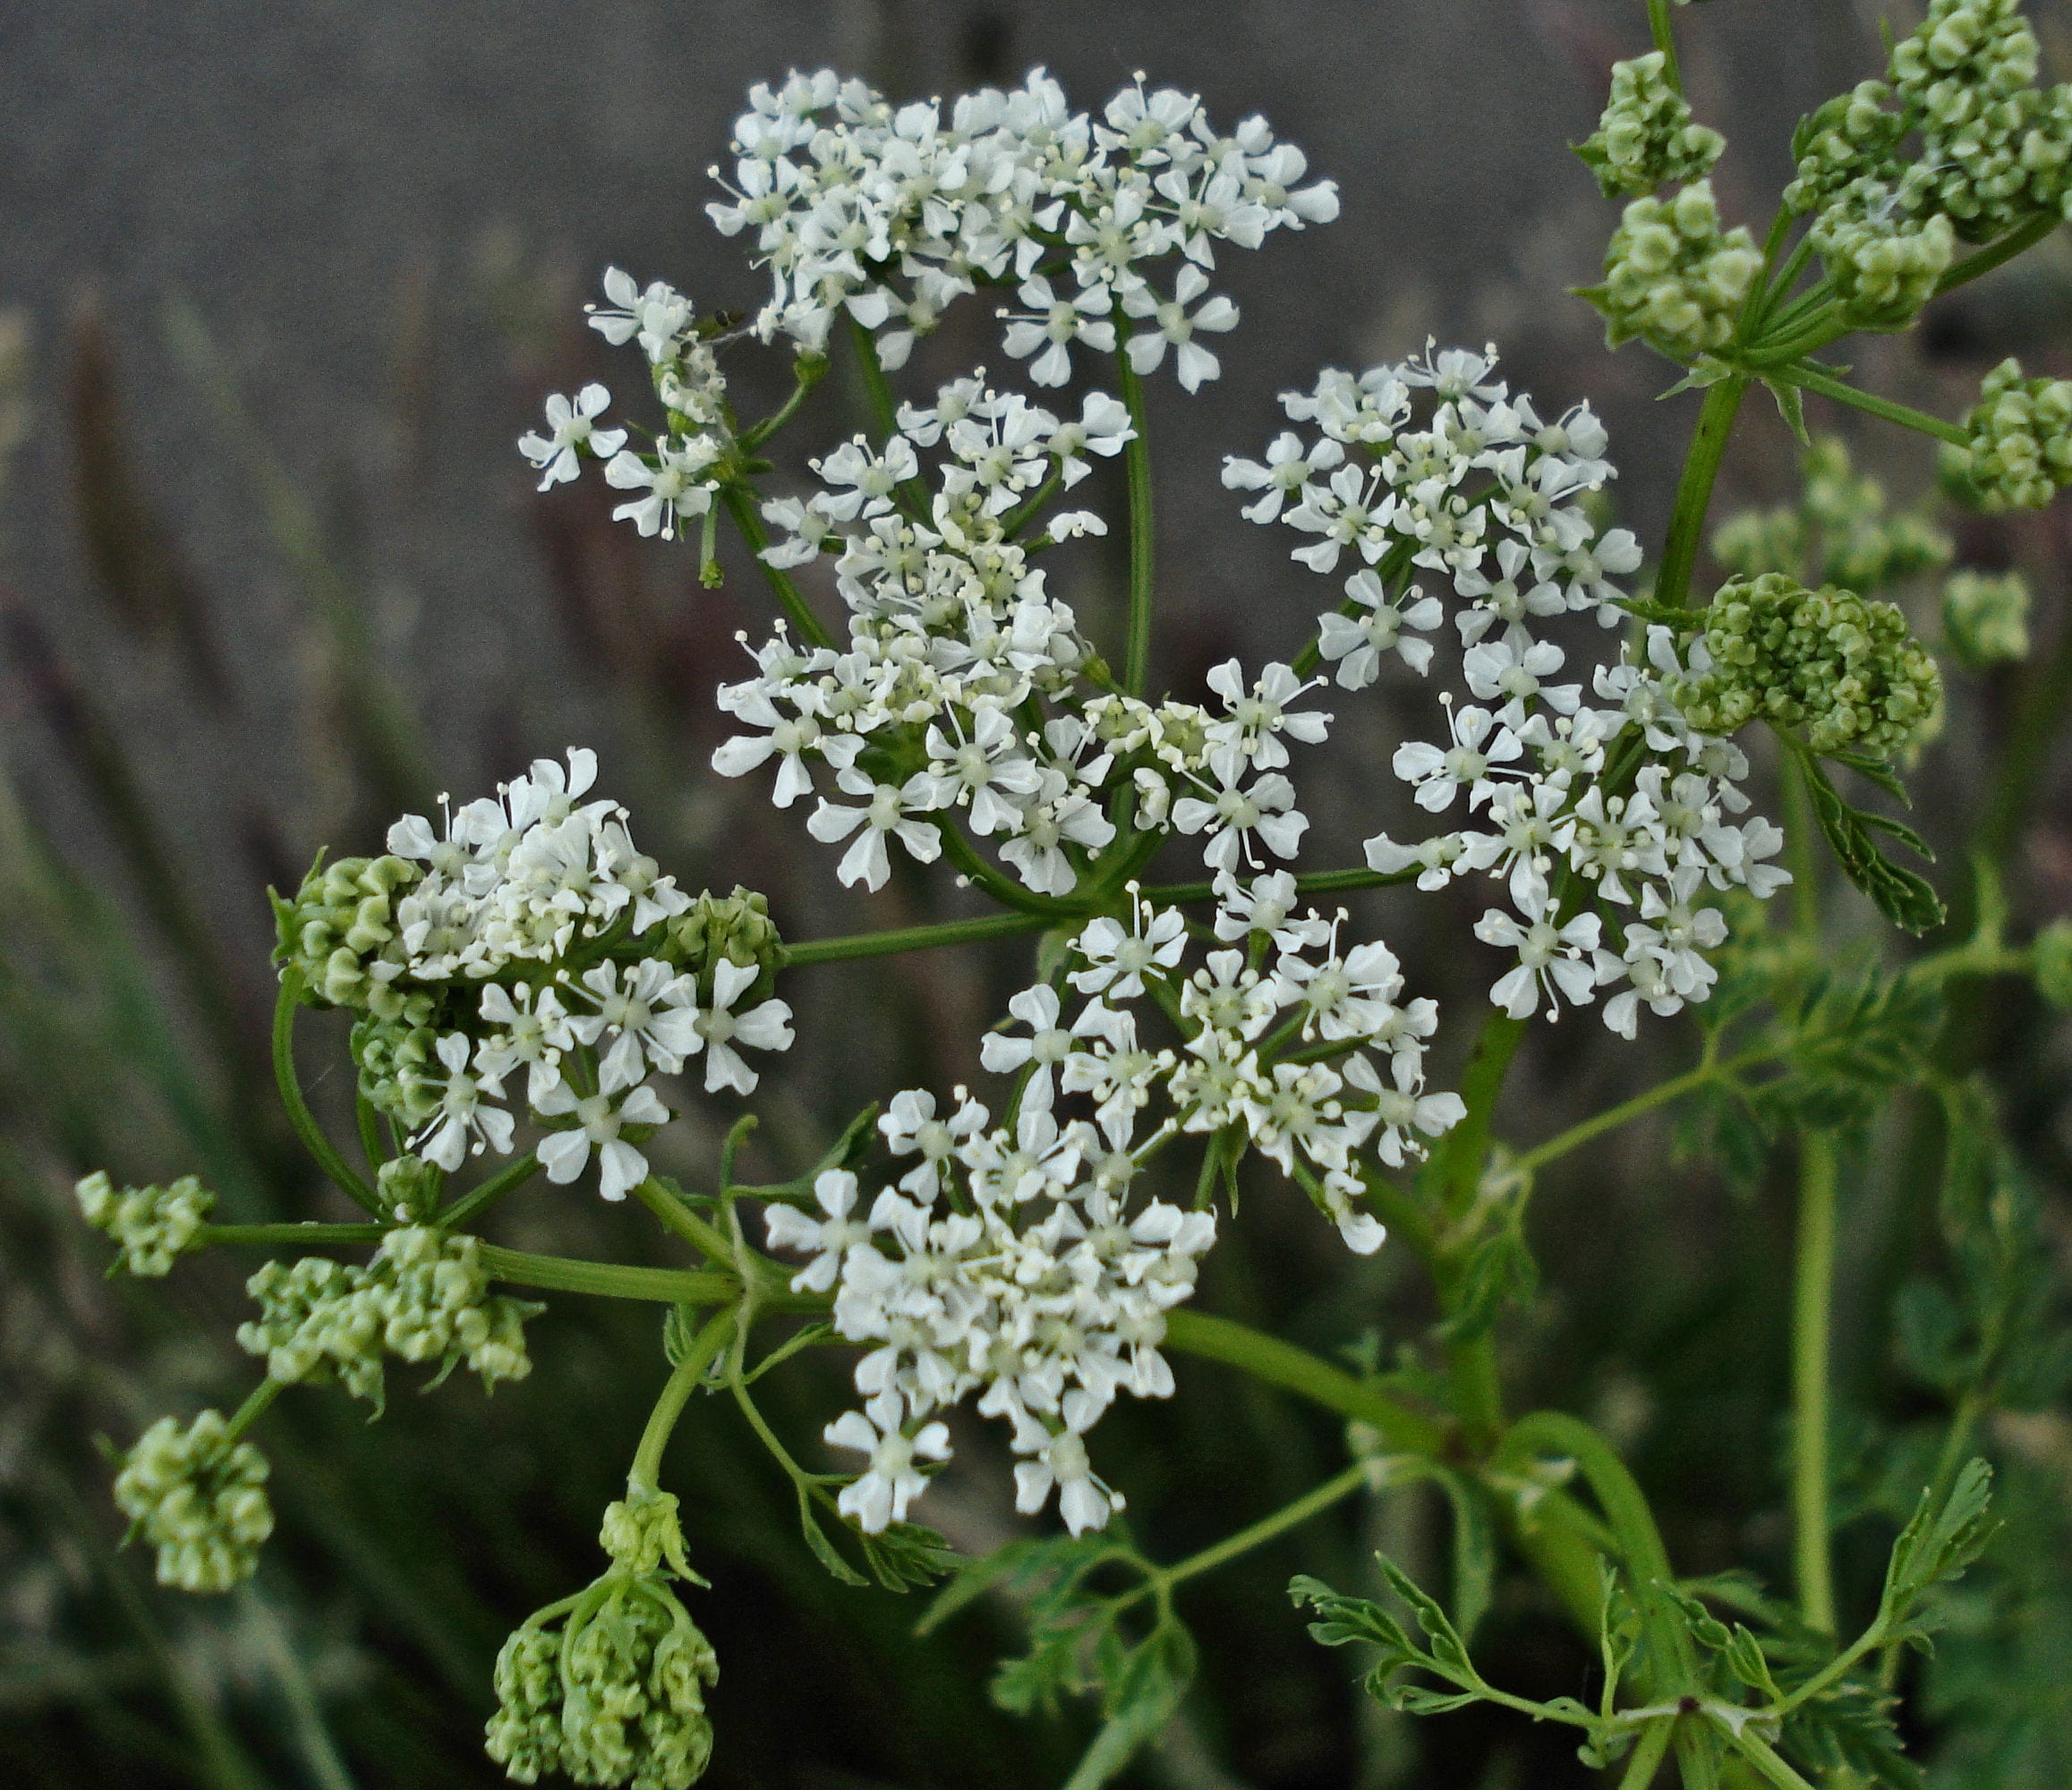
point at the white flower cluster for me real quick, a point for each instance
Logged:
(934, 711)
(679, 479)
(1009, 1260)
(1621, 808)
(535, 938)
(888, 213)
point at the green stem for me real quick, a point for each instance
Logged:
(320, 1147)
(644, 1474)
(1137, 461)
(1813, 379)
(1666, 41)
(913, 939)
(507, 1180)
(1283, 1364)
(1694, 491)
(2013, 244)
(1648, 1753)
(1288, 1516)
(1317, 883)
(982, 876)
(679, 1218)
(740, 501)
(1813, 1291)
(807, 371)
(1613, 1116)
(271, 1236)
(248, 1413)
(1766, 1760)
(609, 1280)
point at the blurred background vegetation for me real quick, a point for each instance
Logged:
(281, 287)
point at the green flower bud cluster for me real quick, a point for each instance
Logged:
(2020, 454)
(1839, 532)
(200, 1499)
(1842, 674)
(1884, 262)
(400, 1072)
(736, 927)
(408, 1186)
(1673, 277)
(1993, 149)
(609, 1686)
(1985, 619)
(1852, 136)
(423, 1297)
(152, 1226)
(1646, 137)
(342, 925)
(2054, 964)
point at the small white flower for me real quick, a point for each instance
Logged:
(1118, 958)
(717, 1030)
(1285, 475)
(828, 1238)
(1171, 323)
(464, 1124)
(571, 429)
(1060, 1462)
(565, 1154)
(883, 1495)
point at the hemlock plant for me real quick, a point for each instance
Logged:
(522, 984)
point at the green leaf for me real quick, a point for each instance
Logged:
(1790, 404)
(823, 1550)
(1447, 1652)
(905, 1555)
(1343, 1619)
(1909, 901)
(972, 1580)
(1937, 1546)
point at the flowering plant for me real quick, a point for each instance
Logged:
(523, 984)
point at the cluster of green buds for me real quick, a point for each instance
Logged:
(425, 1297)
(341, 925)
(1985, 617)
(735, 928)
(1840, 674)
(152, 1226)
(1840, 531)
(1646, 137)
(198, 1497)
(2020, 452)
(1993, 148)
(1673, 277)
(609, 1686)
(1883, 261)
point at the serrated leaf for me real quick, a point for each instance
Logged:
(972, 1582)
(1151, 1680)
(1909, 901)
(1343, 1619)
(1878, 770)
(1937, 1545)
(906, 1555)
(1444, 1644)
(823, 1550)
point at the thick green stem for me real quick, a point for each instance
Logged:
(1648, 1753)
(1402, 1426)
(272, 1236)
(899, 939)
(1137, 461)
(609, 1280)
(1694, 491)
(740, 503)
(1812, 1292)
(1665, 42)
(1992, 256)
(1813, 379)
(321, 1149)
(1774, 1768)
(644, 1474)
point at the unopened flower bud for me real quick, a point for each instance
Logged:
(200, 1499)
(152, 1226)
